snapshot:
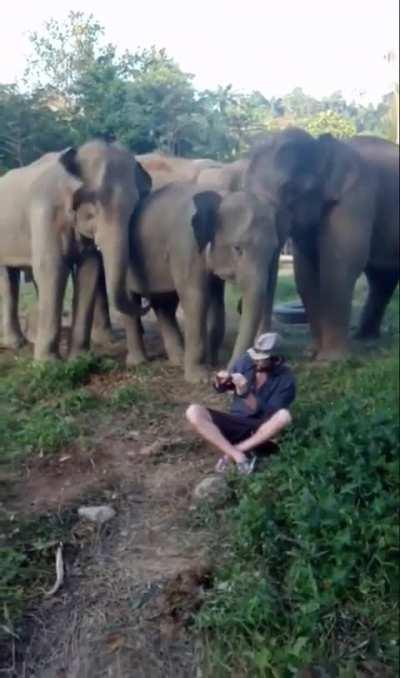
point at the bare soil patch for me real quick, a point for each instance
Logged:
(132, 586)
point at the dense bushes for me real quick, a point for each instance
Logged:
(312, 575)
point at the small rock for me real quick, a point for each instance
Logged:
(154, 448)
(213, 489)
(97, 514)
(132, 435)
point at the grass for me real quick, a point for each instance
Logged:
(27, 567)
(44, 408)
(310, 573)
(39, 404)
(309, 568)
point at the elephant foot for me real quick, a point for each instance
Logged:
(135, 359)
(76, 351)
(310, 352)
(197, 375)
(105, 336)
(46, 356)
(365, 335)
(15, 341)
(175, 356)
(331, 355)
(176, 360)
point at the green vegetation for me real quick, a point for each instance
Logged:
(39, 405)
(309, 564)
(27, 567)
(310, 573)
(76, 87)
(44, 408)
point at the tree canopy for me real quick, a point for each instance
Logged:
(77, 86)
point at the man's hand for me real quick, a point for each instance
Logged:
(223, 378)
(240, 383)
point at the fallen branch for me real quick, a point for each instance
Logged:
(59, 572)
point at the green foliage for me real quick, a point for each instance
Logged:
(128, 396)
(312, 575)
(28, 128)
(37, 405)
(332, 122)
(77, 87)
(26, 567)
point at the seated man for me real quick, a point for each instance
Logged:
(263, 389)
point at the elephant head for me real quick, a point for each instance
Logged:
(302, 175)
(112, 183)
(224, 177)
(238, 235)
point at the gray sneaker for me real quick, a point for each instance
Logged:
(245, 468)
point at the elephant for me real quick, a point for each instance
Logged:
(226, 177)
(39, 228)
(339, 202)
(185, 241)
(165, 169)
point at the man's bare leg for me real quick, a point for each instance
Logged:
(270, 429)
(200, 419)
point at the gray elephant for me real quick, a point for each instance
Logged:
(165, 169)
(184, 243)
(339, 201)
(225, 177)
(38, 228)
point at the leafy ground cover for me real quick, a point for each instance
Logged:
(310, 577)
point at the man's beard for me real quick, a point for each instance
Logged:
(263, 368)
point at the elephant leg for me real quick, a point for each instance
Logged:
(86, 284)
(307, 283)
(51, 276)
(343, 251)
(12, 333)
(165, 309)
(134, 337)
(216, 319)
(272, 280)
(102, 329)
(382, 284)
(194, 302)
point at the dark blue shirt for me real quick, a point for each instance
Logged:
(277, 393)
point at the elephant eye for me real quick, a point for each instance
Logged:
(238, 249)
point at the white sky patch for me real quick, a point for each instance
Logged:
(319, 45)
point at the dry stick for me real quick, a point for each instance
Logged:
(59, 572)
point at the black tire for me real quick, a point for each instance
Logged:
(292, 313)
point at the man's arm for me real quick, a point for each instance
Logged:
(282, 397)
(223, 381)
(269, 429)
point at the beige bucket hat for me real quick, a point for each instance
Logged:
(264, 345)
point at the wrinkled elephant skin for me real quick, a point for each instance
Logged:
(339, 202)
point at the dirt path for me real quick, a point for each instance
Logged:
(132, 586)
(129, 595)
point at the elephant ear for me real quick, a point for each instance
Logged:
(340, 167)
(69, 161)
(205, 219)
(143, 180)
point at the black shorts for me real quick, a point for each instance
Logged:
(237, 428)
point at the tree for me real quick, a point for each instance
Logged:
(28, 128)
(329, 121)
(61, 53)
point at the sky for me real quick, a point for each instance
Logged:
(267, 45)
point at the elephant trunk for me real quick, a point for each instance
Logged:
(252, 308)
(115, 257)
